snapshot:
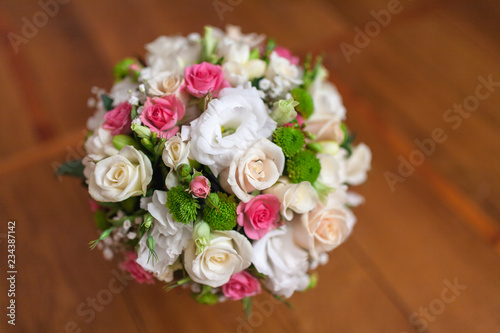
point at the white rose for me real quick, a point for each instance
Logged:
(100, 145)
(257, 169)
(333, 172)
(322, 229)
(284, 263)
(171, 54)
(358, 164)
(228, 253)
(171, 238)
(165, 83)
(121, 176)
(176, 152)
(230, 125)
(282, 67)
(252, 40)
(299, 198)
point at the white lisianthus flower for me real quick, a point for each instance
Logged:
(237, 66)
(290, 75)
(165, 83)
(228, 253)
(299, 198)
(230, 125)
(284, 263)
(328, 112)
(252, 40)
(171, 238)
(358, 164)
(100, 144)
(257, 169)
(333, 169)
(171, 54)
(122, 91)
(121, 176)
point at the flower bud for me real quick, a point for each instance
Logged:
(184, 172)
(284, 111)
(201, 236)
(141, 131)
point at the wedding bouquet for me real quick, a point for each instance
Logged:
(221, 164)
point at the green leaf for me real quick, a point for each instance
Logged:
(72, 168)
(306, 104)
(129, 204)
(247, 306)
(255, 54)
(107, 101)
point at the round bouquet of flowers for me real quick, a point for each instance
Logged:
(221, 164)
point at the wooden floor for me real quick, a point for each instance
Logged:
(439, 226)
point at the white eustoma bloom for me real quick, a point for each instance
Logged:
(358, 164)
(100, 144)
(328, 112)
(228, 253)
(171, 54)
(257, 169)
(122, 91)
(333, 169)
(231, 124)
(238, 68)
(283, 72)
(120, 176)
(171, 238)
(299, 198)
(284, 263)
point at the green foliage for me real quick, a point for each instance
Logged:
(182, 205)
(101, 220)
(221, 215)
(290, 139)
(205, 296)
(304, 166)
(121, 70)
(71, 168)
(310, 72)
(306, 104)
(107, 101)
(247, 306)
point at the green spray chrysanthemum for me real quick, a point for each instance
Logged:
(182, 205)
(220, 211)
(290, 139)
(304, 166)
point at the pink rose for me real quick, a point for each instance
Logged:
(260, 215)
(241, 285)
(202, 78)
(200, 187)
(118, 120)
(162, 114)
(286, 53)
(136, 271)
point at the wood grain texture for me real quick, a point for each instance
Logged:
(442, 224)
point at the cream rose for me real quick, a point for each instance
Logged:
(176, 152)
(121, 176)
(299, 198)
(332, 172)
(228, 253)
(165, 83)
(257, 169)
(321, 230)
(358, 164)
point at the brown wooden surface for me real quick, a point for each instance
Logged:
(441, 224)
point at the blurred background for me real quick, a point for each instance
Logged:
(421, 83)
